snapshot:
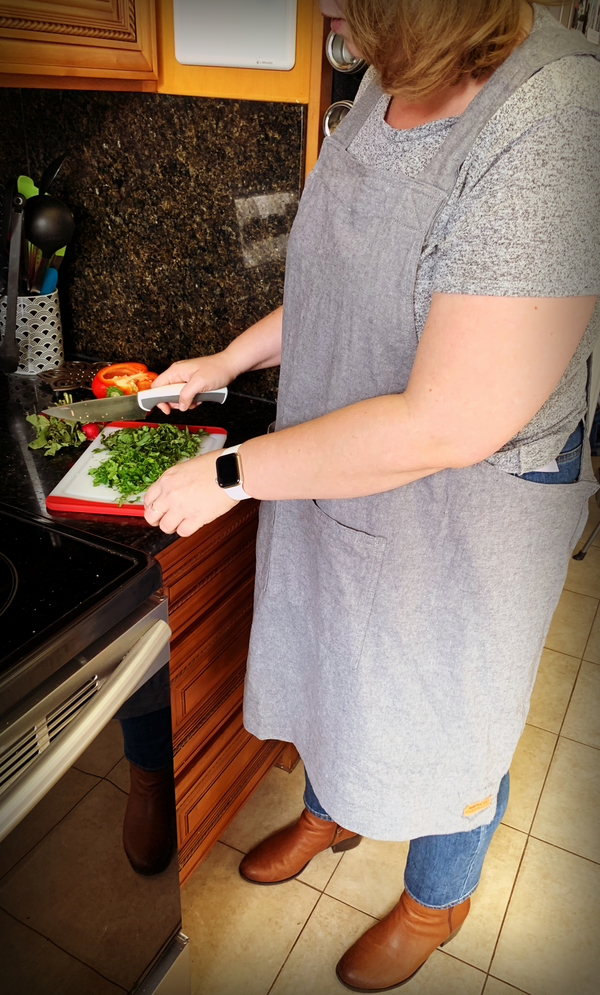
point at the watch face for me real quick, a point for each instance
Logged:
(228, 471)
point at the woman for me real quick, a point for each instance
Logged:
(425, 485)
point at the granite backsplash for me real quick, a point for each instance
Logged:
(183, 206)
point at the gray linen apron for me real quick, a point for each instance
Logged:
(396, 637)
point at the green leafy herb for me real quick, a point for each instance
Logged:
(54, 433)
(114, 391)
(138, 456)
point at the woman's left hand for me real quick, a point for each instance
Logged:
(187, 497)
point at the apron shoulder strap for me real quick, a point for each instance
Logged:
(346, 132)
(541, 48)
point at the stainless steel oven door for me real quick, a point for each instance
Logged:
(74, 916)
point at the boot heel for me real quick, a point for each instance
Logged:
(452, 935)
(348, 844)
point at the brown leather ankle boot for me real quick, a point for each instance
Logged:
(391, 952)
(284, 855)
(148, 833)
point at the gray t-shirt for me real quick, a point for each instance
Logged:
(522, 221)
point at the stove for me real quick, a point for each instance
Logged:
(84, 652)
(60, 590)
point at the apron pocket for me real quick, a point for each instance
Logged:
(327, 574)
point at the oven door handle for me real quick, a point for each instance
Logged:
(50, 766)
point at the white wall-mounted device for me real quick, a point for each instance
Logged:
(247, 34)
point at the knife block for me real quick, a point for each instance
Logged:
(38, 333)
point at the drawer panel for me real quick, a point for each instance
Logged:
(193, 690)
(191, 739)
(204, 639)
(209, 587)
(211, 823)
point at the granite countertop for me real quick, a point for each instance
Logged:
(28, 475)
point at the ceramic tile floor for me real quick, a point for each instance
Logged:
(533, 924)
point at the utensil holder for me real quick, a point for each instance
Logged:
(38, 333)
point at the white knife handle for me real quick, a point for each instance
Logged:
(147, 399)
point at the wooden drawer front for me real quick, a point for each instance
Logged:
(204, 639)
(195, 690)
(206, 582)
(205, 811)
(177, 558)
(214, 713)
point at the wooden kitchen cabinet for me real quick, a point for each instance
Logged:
(209, 581)
(78, 43)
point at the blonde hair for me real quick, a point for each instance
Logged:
(420, 46)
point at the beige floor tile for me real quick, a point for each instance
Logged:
(332, 928)
(571, 624)
(592, 650)
(443, 975)
(527, 773)
(240, 934)
(320, 869)
(568, 811)
(495, 987)
(552, 690)
(548, 944)
(371, 877)
(310, 968)
(476, 940)
(582, 721)
(276, 802)
(583, 576)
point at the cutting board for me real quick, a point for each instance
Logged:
(76, 491)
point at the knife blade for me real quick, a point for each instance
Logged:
(128, 405)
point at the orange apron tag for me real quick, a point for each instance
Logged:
(478, 806)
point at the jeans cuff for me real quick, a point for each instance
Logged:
(318, 815)
(445, 905)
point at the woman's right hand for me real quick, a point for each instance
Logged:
(203, 373)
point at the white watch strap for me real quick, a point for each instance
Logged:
(237, 493)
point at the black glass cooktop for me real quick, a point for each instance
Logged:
(60, 589)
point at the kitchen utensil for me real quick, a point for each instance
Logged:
(38, 331)
(27, 187)
(129, 405)
(10, 189)
(76, 490)
(72, 375)
(58, 257)
(50, 173)
(9, 350)
(50, 281)
(49, 225)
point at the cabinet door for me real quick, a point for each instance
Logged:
(80, 38)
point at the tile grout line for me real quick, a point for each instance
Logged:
(294, 944)
(529, 834)
(587, 642)
(556, 846)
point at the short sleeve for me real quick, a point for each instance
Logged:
(525, 221)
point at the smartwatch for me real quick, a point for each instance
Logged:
(229, 473)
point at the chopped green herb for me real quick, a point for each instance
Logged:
(138, 456)
(54, 433)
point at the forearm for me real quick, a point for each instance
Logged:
(259, 347)
(365, 448)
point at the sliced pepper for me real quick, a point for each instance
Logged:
(128, 378)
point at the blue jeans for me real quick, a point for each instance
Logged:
(147, 739)
(441, 871)
(569, 462)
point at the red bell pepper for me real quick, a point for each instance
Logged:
(127, 378)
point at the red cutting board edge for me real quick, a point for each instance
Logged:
(59, 503)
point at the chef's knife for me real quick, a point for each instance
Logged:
(129, 405)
